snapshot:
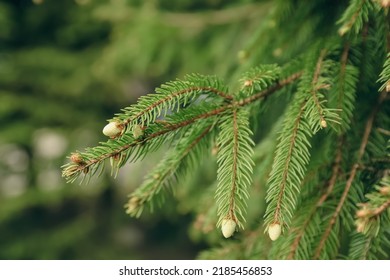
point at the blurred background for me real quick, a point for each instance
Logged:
(65, 68)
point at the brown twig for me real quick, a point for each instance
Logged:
(335, 174)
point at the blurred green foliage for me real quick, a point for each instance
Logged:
(65, 67)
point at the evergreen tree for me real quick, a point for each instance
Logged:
(298, 137)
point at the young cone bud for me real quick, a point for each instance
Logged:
(248, 83)
(324, 124)
(137, 131)
(274, 231)
(132, 205)
(361, 225)
(362, 213)
(385, 190)
(344, 29)
(388, 84)
(113, 129)
(76, 158)
(385, 3)
(228, 227)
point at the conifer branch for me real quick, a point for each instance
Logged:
(235, 166)
(372, 223)
(123, 144)
(351, 177)
(315, 87)
(367, 246)
(361, 245)
(283, 184)
(163, 172)
(320, 147)
(71, 170)
(259, 78)
(171, 97)
(231, 211)
(331, 183)
(235, 154)
(342, 96)
(316, 79)
(384, 76)
(335, 173)
(284, 171)
(174, 95)
(300, 234)
(379, 210)
(264, 93)
(292, 154)
(369, 213)
(355, 16)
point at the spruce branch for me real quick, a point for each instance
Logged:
(315, 81)
(145, 126)
(372, 235)
(302, 229)
(351, 177)
(336, 169)
(316, 87)
(287, 170)
(368, 216)
(273, 88)
(355, 16)
(259, 78)
(362, 247)
(235, 166)
(380, 209)
(132, 148)
(343, 93)
(303, 119)
(384, 76)
(163, 176)
(170, 97)
(126, 146)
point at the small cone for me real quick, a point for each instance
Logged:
(76, 158)
(274, 231)
(137, 131)
(385, 3)
(344, 29)
(362, 213)
(132, 205)
(113, 129)
(248, 83)
(228, 227)
(385, 190)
